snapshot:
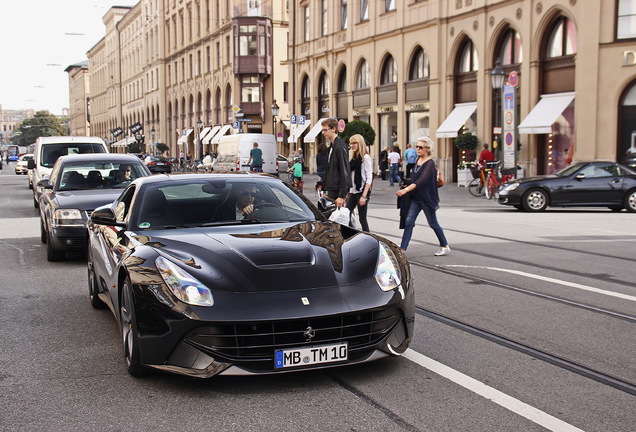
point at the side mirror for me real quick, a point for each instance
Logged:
(44, 183)
(580, 176)
(31, 164)
(104, 215)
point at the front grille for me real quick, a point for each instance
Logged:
(257, 341)
(76, 242)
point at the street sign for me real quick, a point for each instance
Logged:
(341, 125)
(509, 147)
(235, 125)
(236, 109)
(513, 78)
(239, 114)
(301, 120)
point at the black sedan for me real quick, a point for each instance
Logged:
(157, 164)
(77, 185)
(237, 274)
(584, 184)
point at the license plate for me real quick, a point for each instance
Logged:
(160, 163)
(310, 356)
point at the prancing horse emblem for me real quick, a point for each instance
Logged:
(309, 334)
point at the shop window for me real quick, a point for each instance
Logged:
(626, 20)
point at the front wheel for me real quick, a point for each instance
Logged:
(489, 189)
(128, 321)
(53, 254)
(630, 201)
(475, 189)
(535, 200)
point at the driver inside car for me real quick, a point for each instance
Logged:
(240, 203)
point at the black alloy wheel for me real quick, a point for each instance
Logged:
(129, 331)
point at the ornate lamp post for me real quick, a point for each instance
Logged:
(275, 109)
(199, 144)
(497, 78)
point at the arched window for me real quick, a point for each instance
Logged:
(420, 68)
(466, 67)
(468, 59)
(342, 80)
(511, 52)
(389, 71)
(228, 104)
(323, 94)
(562, 40)
(626, 134)
(305, 94)
(362, 76)
(217, 107)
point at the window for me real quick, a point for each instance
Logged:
(419, 66)
(248, 42)
(343, 14)
(306, 24)
(562, 41)
(228, 50)
(364, 10)
(218, 55)
(469, 61)
(389, 5)
(285, 91)
(342, 80)
(198, 66)
(323, 18)
(511, 51)
(190, 62)
(389, 71)
(250, 89)
(362, 77)
(323, 85)
(208, 59)
(626, 22)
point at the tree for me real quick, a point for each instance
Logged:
(162, 147)
(43, 123)
(359, 127)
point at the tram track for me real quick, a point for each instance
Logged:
(572, 366)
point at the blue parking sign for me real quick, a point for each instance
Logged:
(293, 119)
(302, 120)
(235, 125)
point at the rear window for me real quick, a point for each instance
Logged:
(51, 152)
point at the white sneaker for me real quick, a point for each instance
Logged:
(443, 251)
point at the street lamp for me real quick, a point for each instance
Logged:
(274, 115)
(199, 144)
(154, 147)
(497, 78)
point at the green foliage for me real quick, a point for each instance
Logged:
(43, 123)
(134, 148)
(161, 147)
(466, 141)
(359, 127)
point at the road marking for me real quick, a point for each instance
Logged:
(508, 402)
(552, 280)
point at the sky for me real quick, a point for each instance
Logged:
(40, 39)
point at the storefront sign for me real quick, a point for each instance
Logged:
(364, 112)
(629, 58)
(387, 109)
(509, 126)
(418, 107)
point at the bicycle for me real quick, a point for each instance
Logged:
(298, 184)
(476, 186)
(496, 179)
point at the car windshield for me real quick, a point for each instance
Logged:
(218, 202)
(98, 175)
(51, 152)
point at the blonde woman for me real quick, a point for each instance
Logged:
(423, 189)
(361, 178)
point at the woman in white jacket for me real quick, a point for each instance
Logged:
(361, 179)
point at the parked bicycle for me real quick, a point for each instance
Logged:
(496, 179)
(476, 186)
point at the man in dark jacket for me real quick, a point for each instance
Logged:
(338, 174)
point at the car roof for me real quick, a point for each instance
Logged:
(188, 177)
(100, 157)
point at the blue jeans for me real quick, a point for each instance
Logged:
(393, 174)
(431, 218)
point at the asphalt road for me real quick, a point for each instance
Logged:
(530, 278)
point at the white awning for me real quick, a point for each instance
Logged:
(183, 139)
(315, 131)
(204, 132)
(222, 132)
(299, 131)
(456, 120)
(545, 113)
(287, 123)
(124, 142)
(206, 140)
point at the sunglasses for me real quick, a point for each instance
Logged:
(247, 193)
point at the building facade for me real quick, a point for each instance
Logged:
(424, 68)
(79, 99)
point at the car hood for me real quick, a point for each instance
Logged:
(270, 257)
(88, 199)
(535, 178)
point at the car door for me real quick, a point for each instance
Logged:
(596, 184)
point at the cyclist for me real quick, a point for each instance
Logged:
(484, 157)
(297, 170)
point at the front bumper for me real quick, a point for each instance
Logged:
(69, 238)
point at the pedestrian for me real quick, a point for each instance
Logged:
(256, 158)
(394, 166)
(411, 156)
(486, 155)
(322, 159)
(384, 162)
(361, 179)
(424, 196)
(337, 174)
(299, 154)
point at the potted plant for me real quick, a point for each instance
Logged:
(464, 172)
(466, 143)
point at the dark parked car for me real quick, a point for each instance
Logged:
(77, 185)
(236, 273)
(157, 164)
(584, 184)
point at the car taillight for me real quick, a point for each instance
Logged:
(238, 164)
(276, 167)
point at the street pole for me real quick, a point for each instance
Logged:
(154, 146)
(199, 145)
(497, 78)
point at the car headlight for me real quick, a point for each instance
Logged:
(187, 288)
(387, 271)
(67, 217)
(509, 187)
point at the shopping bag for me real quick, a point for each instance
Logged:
(341, 216)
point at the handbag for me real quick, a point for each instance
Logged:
(440, 179)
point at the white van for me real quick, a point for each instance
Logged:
(233, 152)
(49, 149)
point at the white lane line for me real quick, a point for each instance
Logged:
(508, 402)
(552, 280)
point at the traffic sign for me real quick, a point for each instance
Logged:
(513, 78)
(235, 125)
(293, 119)
(236, 108)
(301, 120)
(341, 126)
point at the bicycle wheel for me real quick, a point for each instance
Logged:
(489, 188)
(475, 189)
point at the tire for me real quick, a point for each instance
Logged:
(489, 188)
(42, 232)
(36, 204)
(128, 320)
(96, 302)
(53, 254)
(630, 201)
(473, 188)
(535, 200)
